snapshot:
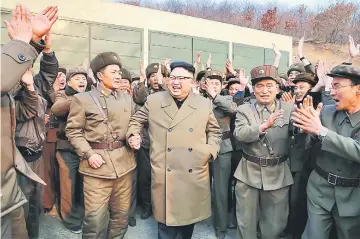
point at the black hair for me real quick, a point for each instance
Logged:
(190, 68)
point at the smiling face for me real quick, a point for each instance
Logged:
(125, 85)
(291, 77)
(110, 77)
(265, 91)
(78, 82)
(153, 81)
(62, 79)
(233, 89)
(216, 84)
(345, 94)
(180, 83)
(301, 89)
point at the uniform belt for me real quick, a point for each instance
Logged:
(226, 135)
(107, 146)
(265, 162)
(336, 180)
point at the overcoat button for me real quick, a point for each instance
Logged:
(190, 170)
(169, 149)
(21, 57)
(169, 169)
(190, 149)
(170, 130)
(191, 129)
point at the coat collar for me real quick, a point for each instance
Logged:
(178, 115)
(106, 92)
(354, 118)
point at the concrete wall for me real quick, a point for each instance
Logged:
(122, 19)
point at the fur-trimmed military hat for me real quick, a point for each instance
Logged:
(75, 71)
(153, 68)
(104, 59)
(265, 72)
(299, 67)
(345, 71)
(125, 74)
(306, 77)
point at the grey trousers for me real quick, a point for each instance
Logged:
(221, 173)
(320, 223)
(133, 193)
(268, 208)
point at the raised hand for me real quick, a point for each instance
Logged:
(300, 52)
(210, 89)
(208, 63)
(142, 72)
(287, 97)
(276, 51)
(19, 28)
(48, 42)
(308, 119)
(43, 21)
(244, 80)
(28, 79)
(159, 76)
(354, 50)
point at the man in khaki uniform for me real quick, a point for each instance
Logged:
(97, 123)
(17, 56)
(334, 186)
(71, 199)
(224, 109)
(264, 177)
(184, 136)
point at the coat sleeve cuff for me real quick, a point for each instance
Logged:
(39, 46)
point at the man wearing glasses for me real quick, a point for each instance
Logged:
(334, 186)
(263, 175)
(184, 137)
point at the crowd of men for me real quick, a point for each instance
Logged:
(271, 155)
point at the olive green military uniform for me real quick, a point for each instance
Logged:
(224, 109)
(108, 188)
(71, 200)
(17, 57)
(263, 173)
(334, 186)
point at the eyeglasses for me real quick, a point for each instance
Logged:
(338, 87)
(180, 78)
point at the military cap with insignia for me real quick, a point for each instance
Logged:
(75, 71)
(306, 77)
(214, 74)
(265, 72)
(153, 68)
(299, 67)
(346, 71)
(104, 59)
(125, 74)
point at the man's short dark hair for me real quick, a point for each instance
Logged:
(190, 68)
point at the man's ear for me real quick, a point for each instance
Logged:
(98, 75)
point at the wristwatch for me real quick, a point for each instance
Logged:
(323, 132)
